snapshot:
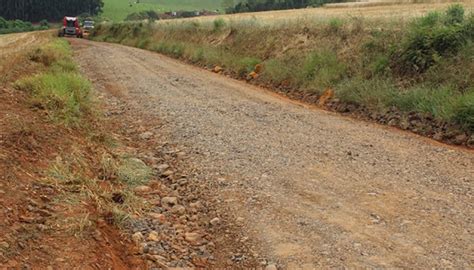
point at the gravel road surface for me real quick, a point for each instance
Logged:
(310, 188)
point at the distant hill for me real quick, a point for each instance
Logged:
(117, 10)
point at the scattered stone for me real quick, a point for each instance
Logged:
(438, 136)
(153, 236)
(327, 95)
(182, 181)
(271, 267)
(252, 76)
(192, 237)
(137, 238)
(142, 189)
(178, 209)
(162, 167)
(42, 227)
(460, 139)
(159, 260)
(195, 205)
(4, 245)
(218, 69)
(146, 135)
(215, 221)
(26, 219)
(167, 173)
(155, 216)
(169, 202)
(470, 142)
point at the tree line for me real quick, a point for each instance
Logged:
(51, 10)
(15, 26)
(262, 5)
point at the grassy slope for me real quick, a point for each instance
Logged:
(66, 97)
(117, 10)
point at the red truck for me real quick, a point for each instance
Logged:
(71, 27)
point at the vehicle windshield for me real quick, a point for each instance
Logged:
(70, 23)
(88, 23)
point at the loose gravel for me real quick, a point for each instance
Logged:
(305, 187)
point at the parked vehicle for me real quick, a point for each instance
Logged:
(88, 26)
(71, 27)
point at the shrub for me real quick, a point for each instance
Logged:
(44, 23)
(380, 65)
(170, 48)
(246, 65)
(3, 23)
(438, 101)
(150, 15)
(455, 14)
(143, 43)
(463, 112)
(322, 69)
(51, 53)
(278, 71)
(375, 93)
(431, 38)
(219, 24)
(335, 25)
(198, 55)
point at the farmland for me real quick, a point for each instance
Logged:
(376, 13)
(117, 10)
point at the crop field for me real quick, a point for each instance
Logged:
(117, 10)
(383, 13)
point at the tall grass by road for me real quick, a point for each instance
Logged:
(88, 165)
(60, 90)
(424, 65)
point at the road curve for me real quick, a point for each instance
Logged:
(312, 188)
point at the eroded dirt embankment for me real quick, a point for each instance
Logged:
(108, 193)
(309, 188)
(42, 224)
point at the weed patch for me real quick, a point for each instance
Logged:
(65, 95)
(433, 37)
(133, 171)
(60, 90)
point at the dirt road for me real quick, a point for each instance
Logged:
(309, 187)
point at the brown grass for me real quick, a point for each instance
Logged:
(377, 11)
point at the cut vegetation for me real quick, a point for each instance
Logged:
(415, 74)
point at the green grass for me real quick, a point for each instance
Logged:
(133, 171)
(60, 90)
(117, 10)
